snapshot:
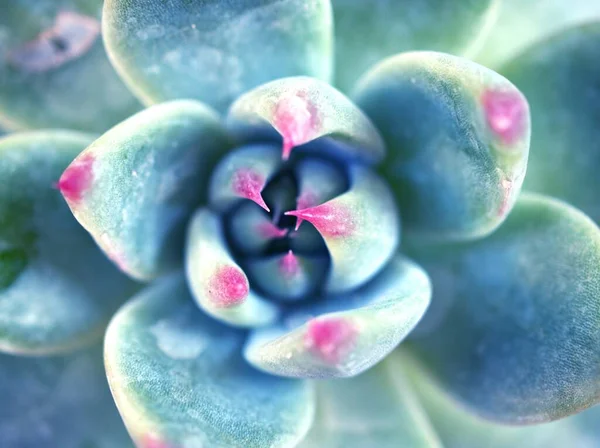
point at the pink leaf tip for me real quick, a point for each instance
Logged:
(77, 178)
(228, 287)
(152, 441)
(506, 113)
(296, 120)
(331, 339)
(331, 220)
(289, 265)
(249, 184)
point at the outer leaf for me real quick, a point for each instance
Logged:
(350, 333)
(53, 68)
(179, 380)
(135, 187)
(301, 110)
(458, 140)
(57, 290)
(521, 24)
(60, 401)
(374, 409)
(367, 32)
(207, 49)
(218, 284)
(458, 428)
(561, 79)
(513, 332)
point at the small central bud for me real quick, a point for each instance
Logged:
(331, 339)
(249, 184)
(295, 119)
(289, 266)
(228, 287)
(270, 230)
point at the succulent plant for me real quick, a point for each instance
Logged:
(212, 194)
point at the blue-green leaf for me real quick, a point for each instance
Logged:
(308, 113)
(135, 188)
(513, 328)
(59, 401)
(368, 31)
(561, 79)
(343, 335)
(458, 428)
(521, 24)
(213, 51)
(179, 380)
(361, 229)
(218, 284)
(458, 139)
(57, 289)
(375, 409)
(53, 68)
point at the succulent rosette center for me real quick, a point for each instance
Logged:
(277, 194)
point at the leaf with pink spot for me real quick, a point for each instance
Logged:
(135, 187)
(51, 53)
(57, 289)
(179, 379)
(218, 284)
(343, 335)
(458, 142)
(361, 229)
(301, 110)
(243, 174)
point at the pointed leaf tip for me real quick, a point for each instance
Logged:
(77, 178)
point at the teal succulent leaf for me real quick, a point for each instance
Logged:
(243, 174)
(60, 401)
(300, 110)
(361, 229)
(57, 290)
(218, 284)
(136, 186)
(513, 329)
(458, 428)
(561, 79)
(347, 333)
(521, 24)
(207, 50)
(51, 52)
(458, 140)
(375, 409)
(367, 32)
(266, 207)
(179, 380)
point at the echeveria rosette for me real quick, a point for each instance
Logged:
(266, 208)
